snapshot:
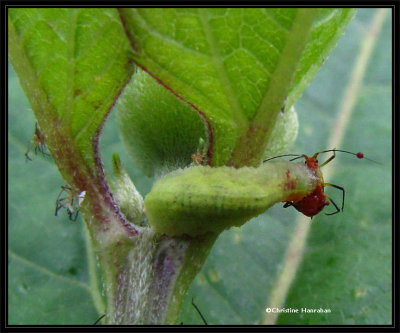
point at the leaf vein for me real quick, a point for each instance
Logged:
(274, 20)
(235, 107)
(46, 271)
(155, 32)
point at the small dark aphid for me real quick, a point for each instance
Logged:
(315, 202)
(38, 142)
(70, 202)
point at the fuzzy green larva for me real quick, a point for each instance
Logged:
(203, 199)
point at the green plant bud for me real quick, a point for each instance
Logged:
(160, 131)
(202, 199)
(125, 194)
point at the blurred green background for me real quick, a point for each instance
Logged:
(347, 260)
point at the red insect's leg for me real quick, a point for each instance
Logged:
(291, 204)
(328, 160)
(336, 206)
(339, 188)
(288, 204)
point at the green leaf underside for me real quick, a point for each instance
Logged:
(327, 29)
(75, 62)
(230, 73)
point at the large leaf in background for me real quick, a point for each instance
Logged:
(347, 262)
(235, 65)
(236, 281)
(48, 268)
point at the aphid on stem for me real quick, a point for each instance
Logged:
(38, 142)
(70, 202)
(315, 202)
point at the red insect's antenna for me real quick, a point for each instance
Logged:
(298, 156)
(359, 154)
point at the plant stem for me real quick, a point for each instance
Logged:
(149, 281)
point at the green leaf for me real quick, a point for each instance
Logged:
(235, 66)
(73, 64)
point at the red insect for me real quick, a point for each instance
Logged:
(315, 202)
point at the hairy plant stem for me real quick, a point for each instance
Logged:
(147, 276)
